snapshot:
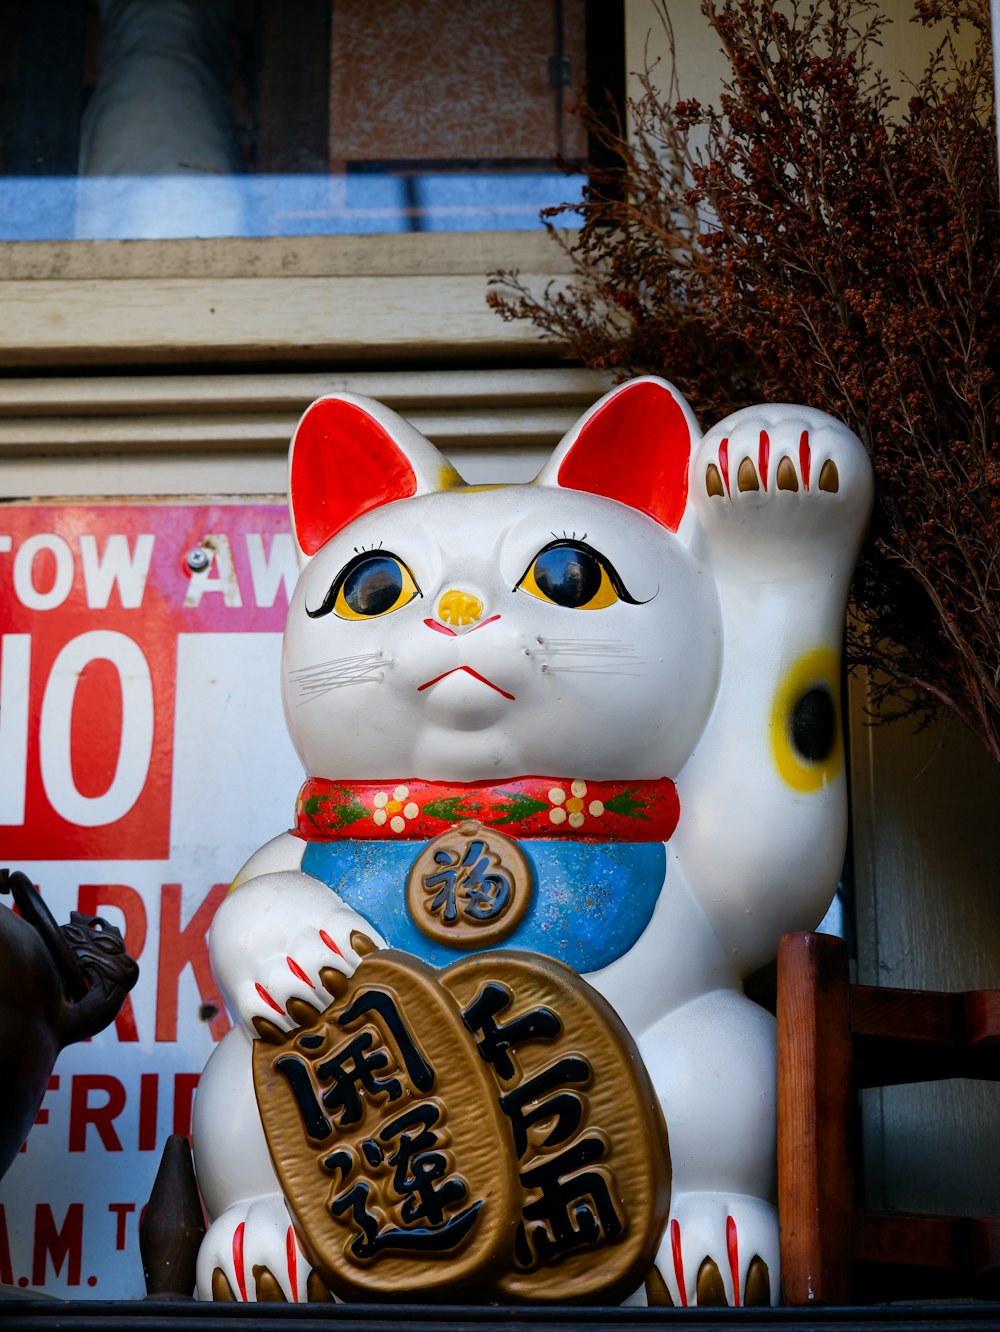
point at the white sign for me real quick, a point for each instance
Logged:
(143, 757)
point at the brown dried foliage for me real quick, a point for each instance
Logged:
(810, 241)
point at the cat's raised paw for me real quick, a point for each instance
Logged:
(773, 474)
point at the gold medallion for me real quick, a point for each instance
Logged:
(383, 1125)
(470, 887)
(585, 1124)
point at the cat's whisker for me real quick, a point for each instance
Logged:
(592, 670)
(318, 680)
(609, 647)
(589, 656)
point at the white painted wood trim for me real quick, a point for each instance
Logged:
(184, 321)
(314, 300)
(228, 434)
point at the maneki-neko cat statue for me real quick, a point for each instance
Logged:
(574, 765)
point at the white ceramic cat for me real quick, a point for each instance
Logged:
(650, 607)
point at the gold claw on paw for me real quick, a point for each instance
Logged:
(786, 475)
(361, 943)
(657, 1294)
(757, 1290)
(267, 1290)
(746, 477)
(710, 1291)
(222, 1291)
(334, 981)
(268, 1031)
(302, 1013)
(829, 477)
(713, 481)
(316, 1291)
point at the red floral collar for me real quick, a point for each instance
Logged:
(645, 811)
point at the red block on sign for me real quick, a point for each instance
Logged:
(94, 600)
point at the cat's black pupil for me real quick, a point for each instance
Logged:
(568, 575)
(373, 587)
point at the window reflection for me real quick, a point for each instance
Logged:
(164, 118)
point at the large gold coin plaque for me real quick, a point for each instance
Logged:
(488, 1129)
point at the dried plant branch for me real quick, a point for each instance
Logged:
(809, 240)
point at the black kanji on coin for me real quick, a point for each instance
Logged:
(470, 887)
(566, 1205)
(561, 1182)
(352, 1068)
(529, 1103)
(496, 1040)
(420, 1181)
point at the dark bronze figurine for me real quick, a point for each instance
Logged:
(58, 984)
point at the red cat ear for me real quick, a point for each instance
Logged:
(633, 446)
(350, 454)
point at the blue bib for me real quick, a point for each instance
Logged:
(591, 901)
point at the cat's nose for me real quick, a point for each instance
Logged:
(458, 608)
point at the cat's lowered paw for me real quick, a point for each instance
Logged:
(279, 943)
(251, 1254)
(717, 1249)
(775, 475)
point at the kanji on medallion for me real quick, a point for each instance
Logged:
(470, 887)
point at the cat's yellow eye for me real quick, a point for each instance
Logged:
(572, 574)
(372, 584)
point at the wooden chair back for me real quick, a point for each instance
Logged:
(834, 1039)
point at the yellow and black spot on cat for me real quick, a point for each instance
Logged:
(806, 732)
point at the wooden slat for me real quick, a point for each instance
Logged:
(912, 1256)
(184, 321)
(403, 390)
(906, 1239)
(219, 413)
(183, 434)
(404, 254)
(905, 1035)
(982, 1018)
(815, 1099)
(228, 434)
(923, 1035)
(984, 1244)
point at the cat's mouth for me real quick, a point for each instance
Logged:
(475, 675)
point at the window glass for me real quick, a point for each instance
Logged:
(159, 118)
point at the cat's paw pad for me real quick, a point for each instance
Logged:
(719, 1250)
(251, 1254)
(283, 947)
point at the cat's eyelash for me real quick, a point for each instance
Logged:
(363, 550)
(568, 536)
